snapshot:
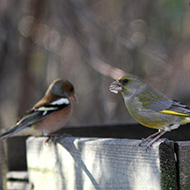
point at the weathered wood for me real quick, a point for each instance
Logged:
(18, 180)
(17, 160)
(16, 145)
(95, 163)
(184, 164)
(15, 175)
(18, 185)
(3, 165)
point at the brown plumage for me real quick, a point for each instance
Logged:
(48, 115)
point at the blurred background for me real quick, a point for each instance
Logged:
(89, 43)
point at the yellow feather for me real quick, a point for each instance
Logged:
(174, 113)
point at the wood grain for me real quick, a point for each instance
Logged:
(184, 164)
(3, 166)
(98, 163)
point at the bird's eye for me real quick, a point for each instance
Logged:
(72, 89)
(124, 81)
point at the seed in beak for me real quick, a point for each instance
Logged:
(115, 87)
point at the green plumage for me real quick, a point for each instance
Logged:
(150, 107)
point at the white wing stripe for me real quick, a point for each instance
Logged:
(45, 112)
(61, 101)
(46, 108)
(58, 102)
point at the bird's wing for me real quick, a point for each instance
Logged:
(154, 100)
(36, 114)
(158, 102)
(177, 109)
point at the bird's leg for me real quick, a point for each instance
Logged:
(54, 136)
(49, 137)
(155, 139)
(149, 137)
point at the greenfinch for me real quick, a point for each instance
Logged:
(150, 107)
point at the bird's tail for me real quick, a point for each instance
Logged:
(9, 132)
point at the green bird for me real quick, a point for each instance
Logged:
(150, 107)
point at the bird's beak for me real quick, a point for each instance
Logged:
(73, 97)
(115, 87)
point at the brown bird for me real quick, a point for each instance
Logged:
(48, 115)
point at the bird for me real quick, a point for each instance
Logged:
(48, 115)
(150, 107)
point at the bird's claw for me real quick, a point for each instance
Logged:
(55, 137)
(143, 140)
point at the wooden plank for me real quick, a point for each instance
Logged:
(18, 185)
(184, 164)
(18, 180)
(168, 166)
(16, 145)
(15, 175)
(3, 166)
(95, 163)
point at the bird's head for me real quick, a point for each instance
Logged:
(62, 88)
(127, 85)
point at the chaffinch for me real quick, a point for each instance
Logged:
(150, 107)
(48, 115)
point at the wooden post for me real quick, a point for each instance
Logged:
(98, 163)
(3, 166)
(184, 164)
